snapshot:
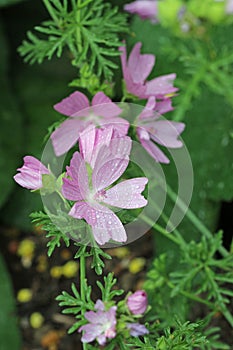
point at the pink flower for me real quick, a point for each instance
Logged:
(137, 69)
(108, 157)
(146, 9)
(137, 329)
(30, 175)
(137, 302)
(101, 112)
(101, 326)
(150, 130)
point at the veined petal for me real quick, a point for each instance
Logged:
(127, 194)
(154, 151)
(103, 106)
(72, 104)
(117, 123)
(66, 135)
(29, 181)
(139, 65)
(161, 86)
(166, 133)
(33, 163)
(108, 226)
(78, 173)
(108, 172)
(70, 190)
(87, 143)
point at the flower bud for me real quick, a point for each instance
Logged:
(137, 302)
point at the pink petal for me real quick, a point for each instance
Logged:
(119, 124)
(164, 106)
(78, 173)
(72, 104)
(110, 171)
(148, 111)
(100, 98)
(33, 163)
(105, 224)
(139, 65)
(161, 86)
(127, 194)
(144, 8)
(66, 135)
(137, 89)
(108, 226)
(29, 181)
(154, 151)
(87, 143)
(166, 133)
(70, 190)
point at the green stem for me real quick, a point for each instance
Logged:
(82, 285)
(78, 30)
(191, 296)
(193, 218)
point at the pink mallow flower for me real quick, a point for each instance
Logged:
(30, 175)
(107, 157)
(102, 111)
(146, 9)
(137, 329)
(137, 302)
(151, 130)
(101, 326)
(137, 69)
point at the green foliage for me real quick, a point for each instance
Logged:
(75, 305)
(185, 336)
(108, 293)
(89, 30)
(9, 333)
(11, 126)
(198, 277)
(53, 232)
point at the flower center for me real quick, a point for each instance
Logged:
(100, 195)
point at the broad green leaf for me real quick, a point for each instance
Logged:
(9, 332)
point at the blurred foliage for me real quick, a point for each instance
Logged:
(9, 333)
(8, 2)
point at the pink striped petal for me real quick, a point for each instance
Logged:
(72, 104)
(161, 86)
(166, 132)
(127, 194)
(105, 224)
(109, 171)
(33, 163)
(78, 173)
(29, 181)
(139, 65)
(66, 135)
(154, 151)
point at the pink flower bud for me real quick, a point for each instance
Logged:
(137, 302)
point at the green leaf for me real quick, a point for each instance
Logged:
(9, 332)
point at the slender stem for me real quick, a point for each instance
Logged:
(50, 10)
(193, 218)
(82, 285)
(78, 30)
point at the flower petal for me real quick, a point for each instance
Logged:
(166, 133)
(139, 65)
(72, 104)
(66, 135)
(127, 194)
(76, 188)
(144, 8)
(154, 151)
(109, 171)
(105, 224)
(161, 86)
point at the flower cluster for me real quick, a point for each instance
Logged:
(106, 322)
